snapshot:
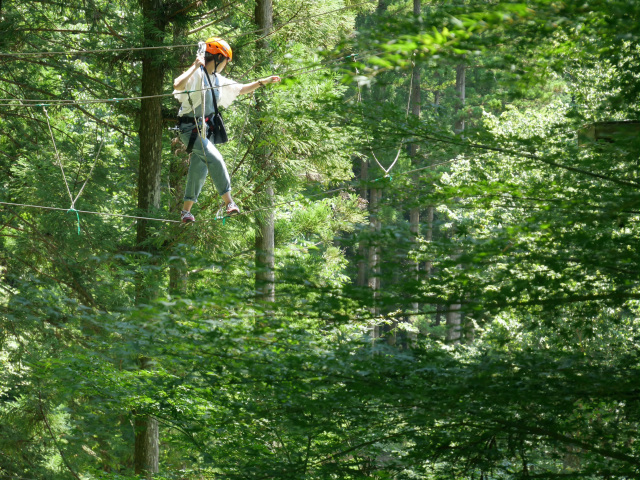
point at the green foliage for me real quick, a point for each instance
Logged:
(534, 237)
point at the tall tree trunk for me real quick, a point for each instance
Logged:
(264, 20)
(265, 224)
(362, 246)
(146, 450)
(147, 439)
(414, 212)
(375, 226)
(265, 258)
(431, 208)
(374, 255)
(461, 90)
(454, 314)
(178, 168)
(428, 236)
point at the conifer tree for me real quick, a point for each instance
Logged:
(265, 221)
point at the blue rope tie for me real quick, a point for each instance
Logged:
(382, 178)
(77, 215)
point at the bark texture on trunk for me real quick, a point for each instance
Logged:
(454, 328)
(178, 169)
(265, 222)
(414, 212)
(374, 255)
(461, 89)
(264, 19)
(362, 246)
(146, 447)
(454, 315)
(150, 134)
(428, 236)
(265, 257)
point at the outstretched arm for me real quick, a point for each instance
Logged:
(250, 87)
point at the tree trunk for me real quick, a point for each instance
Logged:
(414, 212)
(146, 449)
(265, 224)
(454, 315)
(150, 139)
(146, 459)
(460, 88)
(454, 318)
(375, 194)
(362, 246)
(178, 169)
(265, 258)
(429, 237)
(264, 20)
(374, 255)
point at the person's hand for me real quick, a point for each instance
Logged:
(271, 79)
(199, 60)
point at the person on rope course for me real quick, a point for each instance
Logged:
(205, 156)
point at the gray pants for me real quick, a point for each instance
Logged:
(203, 160)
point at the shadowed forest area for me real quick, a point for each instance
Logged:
(433, 274)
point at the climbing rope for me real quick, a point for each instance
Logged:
(373, 154)
(53, 140)
(89, 212)
(91, 170)
(30, 102)
(64, 177)
(246, 212)
(165, 47)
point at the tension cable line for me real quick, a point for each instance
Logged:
(64, 177)
(166, 220)
(385, 170)
(164, 47)
(90, 212)
(71, 102)
(345, 187)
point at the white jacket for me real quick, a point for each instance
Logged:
(229, 90)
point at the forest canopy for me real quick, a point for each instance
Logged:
(433, 274)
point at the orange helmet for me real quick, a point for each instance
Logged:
(217, 45)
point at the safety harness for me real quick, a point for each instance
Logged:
(194, 133)
(208, 121)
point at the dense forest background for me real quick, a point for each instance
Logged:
(435, 270)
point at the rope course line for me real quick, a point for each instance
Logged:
(247, 212)
(166, 220)
(73, 200)
(373, 154)
(71, 102)
(345, 187)
(64, 177)
(91, 170)
(163, 47)
(72, 208)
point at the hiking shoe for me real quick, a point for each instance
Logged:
(232, 209)
(187, 217)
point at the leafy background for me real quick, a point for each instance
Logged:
(497, 338)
